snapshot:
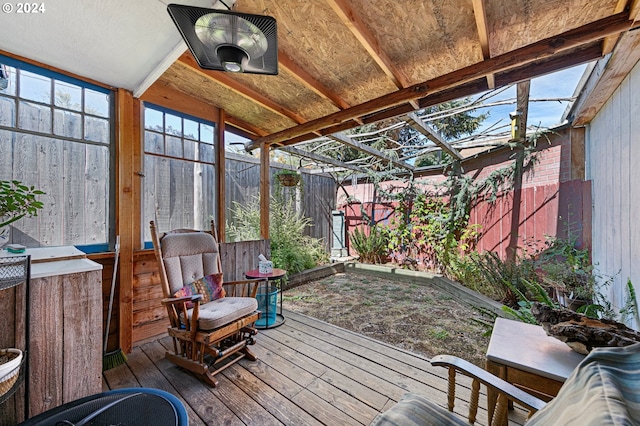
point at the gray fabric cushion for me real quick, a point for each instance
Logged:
(416, 410)
(603, 390)
(223, 311)
(189, 256)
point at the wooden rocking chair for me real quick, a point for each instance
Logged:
(207, 337)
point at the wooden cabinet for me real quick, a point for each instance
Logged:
(65, 330)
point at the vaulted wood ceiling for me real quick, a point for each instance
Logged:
(343, 63)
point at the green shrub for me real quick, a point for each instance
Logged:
(372, 248)
(290, 248)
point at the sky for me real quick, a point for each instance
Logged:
(560, 84)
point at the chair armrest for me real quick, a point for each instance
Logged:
(179, 300)
(510, 391)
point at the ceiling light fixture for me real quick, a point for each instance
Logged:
(228, 41)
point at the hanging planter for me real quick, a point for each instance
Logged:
(288, 177)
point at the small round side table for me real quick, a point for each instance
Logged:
(264, 296)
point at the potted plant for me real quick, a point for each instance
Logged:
(16, 201)
(288, 177)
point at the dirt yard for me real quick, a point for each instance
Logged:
(414, 317)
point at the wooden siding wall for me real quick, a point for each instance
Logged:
(613, 155)
(149, 316)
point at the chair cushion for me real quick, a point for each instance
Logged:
(210, 287)
(602, 390)
(224, 311)
(188, 256)
(416, 410)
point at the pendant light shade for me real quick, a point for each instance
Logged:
(228, 41)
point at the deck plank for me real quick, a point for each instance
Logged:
(120, 377)
(308, 372)
(150, 376)
(282, 408)
(411, 372)
(196, 393)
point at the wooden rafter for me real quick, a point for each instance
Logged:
(359, 29)
(531, 70)
(163, 95)
(416, 122)
(322, 159)
(352, 20)
(480, 14)
(635, 10)
(347, 140)
(540, 50)
(247, 128)
(233, 85)
(310, 82)
(609, 42)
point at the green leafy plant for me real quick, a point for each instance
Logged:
(372, 247)
(288, 177)
(534, 293)
(17, 201)
(290, 248)
(603, 308)
(567, 268)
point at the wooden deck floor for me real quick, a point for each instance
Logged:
(308, 373)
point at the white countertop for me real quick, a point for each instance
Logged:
(52, 261)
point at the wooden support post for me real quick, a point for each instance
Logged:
(138, 167)
(265, 175)
(523, 110)
(577, 138)
(125, 207)
(220, 180)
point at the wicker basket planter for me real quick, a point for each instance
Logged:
(10, 361)
(288, 179)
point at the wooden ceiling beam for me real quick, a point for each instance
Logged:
(250, 130)
(609, 42)
(567, 59)
(417, 123)
(635, 10)
(322, 159)
(347, 140)
(166, 96)
(529, 71)
(542, 49)
(480, 14)
(356, 25)
(360, 30)
(223, 78)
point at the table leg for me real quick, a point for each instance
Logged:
(492, 396)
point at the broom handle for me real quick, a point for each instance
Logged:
(113, 287)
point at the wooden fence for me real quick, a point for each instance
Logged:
(316, 194)
(514, 220)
